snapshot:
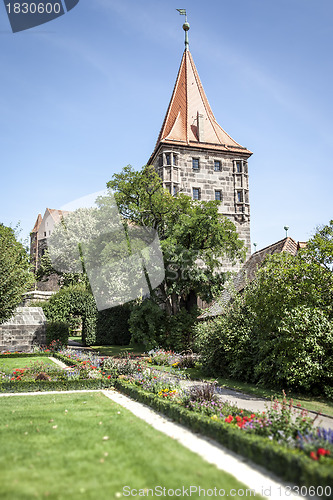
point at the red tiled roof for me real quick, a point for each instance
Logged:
(37, 224)
(188, 101)
(57, 215)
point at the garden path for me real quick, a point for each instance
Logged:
(252, 403)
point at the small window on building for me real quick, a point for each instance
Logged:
(218, 195)
(217, 166)
(168, 158)
(160, 161)
(238, 167)
(196, 194)
(195, 163)
(174, 160)
(240, 196)
(44, 234)
(174, 190)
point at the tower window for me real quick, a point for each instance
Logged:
(160, 161)
(168, 158)
(240, 196)
(217, 166)
(195, 163)
(218, 195)
(196, 194)
(238, 167)
(174, 160)
(174, 190)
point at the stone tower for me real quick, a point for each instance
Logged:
(195, 156)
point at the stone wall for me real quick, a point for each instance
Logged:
(36, 295)
(174, 164)
(24, 330)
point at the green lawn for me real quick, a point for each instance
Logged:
(10, 364)
(117, 350)
(84, 446)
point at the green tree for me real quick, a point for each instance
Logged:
(291, 303)
(320, 246)
(193, 235)
(279, 332)
(15, 275)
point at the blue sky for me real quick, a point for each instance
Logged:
(85, 95)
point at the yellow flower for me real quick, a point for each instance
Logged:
(214, 417)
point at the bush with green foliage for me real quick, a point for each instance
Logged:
(112, 326)
(147, 324)
(152, 326)
(224, 343)
(57, 333)
(15, 275)
(74, 301)
(280, 331)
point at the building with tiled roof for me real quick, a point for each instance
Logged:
(194, 155)
(42, 230)
(248, 272)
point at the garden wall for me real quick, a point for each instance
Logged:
(24, 330)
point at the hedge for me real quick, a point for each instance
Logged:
(46, 385)
(73, 301)
(98, 328)
(289, 465)
(26, 354)
(58, 332)
(112, 326)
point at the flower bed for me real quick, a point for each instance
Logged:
(279, 439)
(83, 372)
(290, 464)
(171, 358)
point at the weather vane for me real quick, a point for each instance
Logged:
(186, 26)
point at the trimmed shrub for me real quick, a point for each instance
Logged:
(151, 326)
(74, 301)
(57, 333)
(112, 327)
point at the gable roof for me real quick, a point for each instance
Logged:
(37, 224)
(248, 272)
(57, 215)
(189, 119)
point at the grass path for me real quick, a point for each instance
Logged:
(83, 446)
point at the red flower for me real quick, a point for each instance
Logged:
(322, 452)
(229, 419)
(253, 415)
(109, 376)
(313, 455)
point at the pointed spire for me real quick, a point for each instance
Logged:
(190, 120)
(186, 27)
